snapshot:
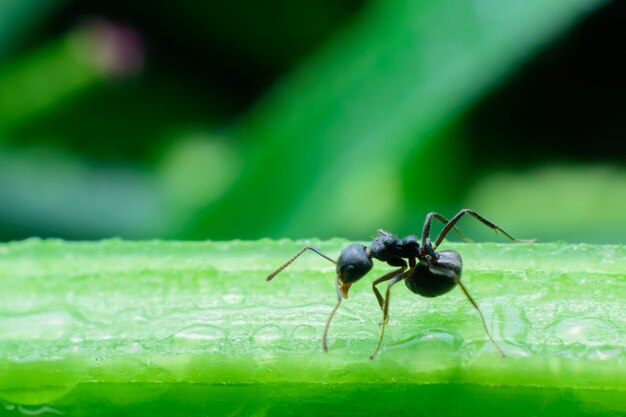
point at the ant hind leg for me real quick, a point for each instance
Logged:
(446, 271)
(478, 217)
(427, 223)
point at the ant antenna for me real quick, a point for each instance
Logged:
(286, 264)
(339, 297)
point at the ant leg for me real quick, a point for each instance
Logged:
(429, 219)
(395, 280)
(286, 264)
(386, 277)
(443, 221)
(450, 273)
(332, 313)
(478, 217)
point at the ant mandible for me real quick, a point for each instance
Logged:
(428, 273)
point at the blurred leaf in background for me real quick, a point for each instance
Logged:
(17, 17)
(196, 120)
(588, 201)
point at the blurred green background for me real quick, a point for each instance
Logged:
(243, 119)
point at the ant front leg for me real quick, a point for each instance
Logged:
(386, 277)
(394, 280)
(332, 313)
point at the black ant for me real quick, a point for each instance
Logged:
(428, 273)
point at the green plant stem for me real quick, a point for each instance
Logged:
(170, 328)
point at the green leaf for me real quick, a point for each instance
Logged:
(569, 203)
(169, 328)
(334, 137)
(17, 16)
(62, 69)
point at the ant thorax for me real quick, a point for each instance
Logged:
(386, 247)
(427, 252)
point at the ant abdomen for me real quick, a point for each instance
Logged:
(432, 281)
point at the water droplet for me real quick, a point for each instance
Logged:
(606, 353)
(37, 411)
(305, 332)
(305, 338)
(41, 325)
(42, 395)
(431, 339)
(512, 327)
(266, 335)
(129, 348)
(577, 330)
(201, 332)
(233, 297)
(199, 338)
(77, 338)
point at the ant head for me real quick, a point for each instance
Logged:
(352, 265)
